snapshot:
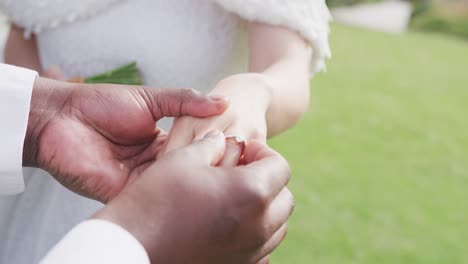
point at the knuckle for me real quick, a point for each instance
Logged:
(188, 93)
(252, 193)
(258, 135)
(257, 193)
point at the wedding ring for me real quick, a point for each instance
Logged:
(238, 140)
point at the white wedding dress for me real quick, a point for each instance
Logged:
(183, 43)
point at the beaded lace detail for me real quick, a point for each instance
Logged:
(37, 15)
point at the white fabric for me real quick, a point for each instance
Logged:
(308, 17)
(32, 222)
(36, 15)
(97, 242)
(92, 241)
(15, 98)
(183, 43)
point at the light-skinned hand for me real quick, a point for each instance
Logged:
(245, 117)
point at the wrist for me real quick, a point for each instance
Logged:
(122, 212)
(47, 101)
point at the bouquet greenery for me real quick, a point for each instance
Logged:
(127, 74)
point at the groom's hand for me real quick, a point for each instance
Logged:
(184, 209)
(93, 138)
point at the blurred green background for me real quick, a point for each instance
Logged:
(380, 162)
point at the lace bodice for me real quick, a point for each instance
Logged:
(194, 31)
(37, 15)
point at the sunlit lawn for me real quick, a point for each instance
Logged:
(380, 162)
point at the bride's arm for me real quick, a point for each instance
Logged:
(20, 51)
(274, 94)
(265, 101)
(283, 57)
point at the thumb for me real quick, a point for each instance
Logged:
(184, 102)
(207, 151)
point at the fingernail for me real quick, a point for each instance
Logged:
(217, 97)
(213, 134)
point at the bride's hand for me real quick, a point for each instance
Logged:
(245, 117)
(94, 139)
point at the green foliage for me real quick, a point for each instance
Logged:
(380, 162)
(428, 16)
(126, 74)
(431, 21)
(333, 3)
(420, 7)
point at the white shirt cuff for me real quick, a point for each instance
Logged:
(16, 85)
(97, 241)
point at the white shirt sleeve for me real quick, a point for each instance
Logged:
(97, 242)
(308, 17)
(93, 241)
(16, 86)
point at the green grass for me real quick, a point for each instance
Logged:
(380, 162)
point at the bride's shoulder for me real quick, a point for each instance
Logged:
(309, 17)
(36, 15)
